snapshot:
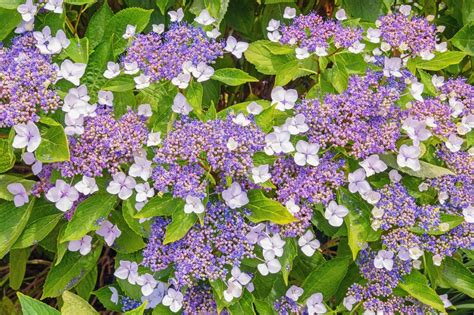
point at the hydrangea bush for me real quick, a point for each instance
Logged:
(236, 157)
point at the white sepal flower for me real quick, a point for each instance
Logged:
(306, 153)
(127, 270)
(335, 213)
(144, 192)
(20, 197)
(130, 68)
(270, 265)
(235, 47)
(27, 10)
(315, 304)
(142, 81)
(289, 13)
(121, 185)
(147, 283)
(260, 174)
(181, 105)
(308, 243)
(83, 246)
(173, 299)
(274, 244)
(176, 16)
(72, 72)
(234, 197)
(254, 108)
(301, 53)
(154, 139)
(341, 15)
(109, 232)
(86, 185)
(392, 67)
(158, 28)
(284, 99)
(408, 157)
(193, 204)
(141, 168)
(63, 195)
(129, 31)
(113, 70)
(106, 98)
(358, 183)
(294, 292)
(202, 72)
(27, 136)
(181, 80)
(204, 18)
(372, 165)
(384, 260)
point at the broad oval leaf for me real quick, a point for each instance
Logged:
(12, 222)
(233, 77)
(88, 214)
(417, 286)
(427, 170)
(74, 304)
(266, 209)
(33, 306)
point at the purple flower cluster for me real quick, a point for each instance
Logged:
(436, 110)
(26, 78)
(161, 56)
(312, 31)
(462, 92)
(306, 185)
(106, 143)
(364, 119)
(206, 144)
(376, 292)
(460, 162)
(286, 306)
(200, 300)
(413, 34)
(205, 251)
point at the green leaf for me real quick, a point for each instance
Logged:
(75, 305)
(88, 214)
(360, 9)
(87, 284)
(417, 286)
(266, 209)
(96, 27)
(157, 206)
(426, 80)
(54, 145)
(17, 266)
(94, 75)
(427, 170)
(290, 251)
(458, 276)
(232, 76)
(325, 279)
(260, 56)
(452, 220)
(118, 23)
(242, 107)
(287, 72)
(10, 4)
(80, 2)
(12, 223)
(162, 5)
(37, 230)
(67, 274)
(193, 95)
(103, 295)
(6, 180)
(244, 306)
(7, 155)
(128, 241)
(32, 306)
(78, 50)
(160, 309)
(180, 225)
(122, 83)
(440, 61)
(357, 221)
(137, 311)
(464, 39)
(128, 212)
(10, 19)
